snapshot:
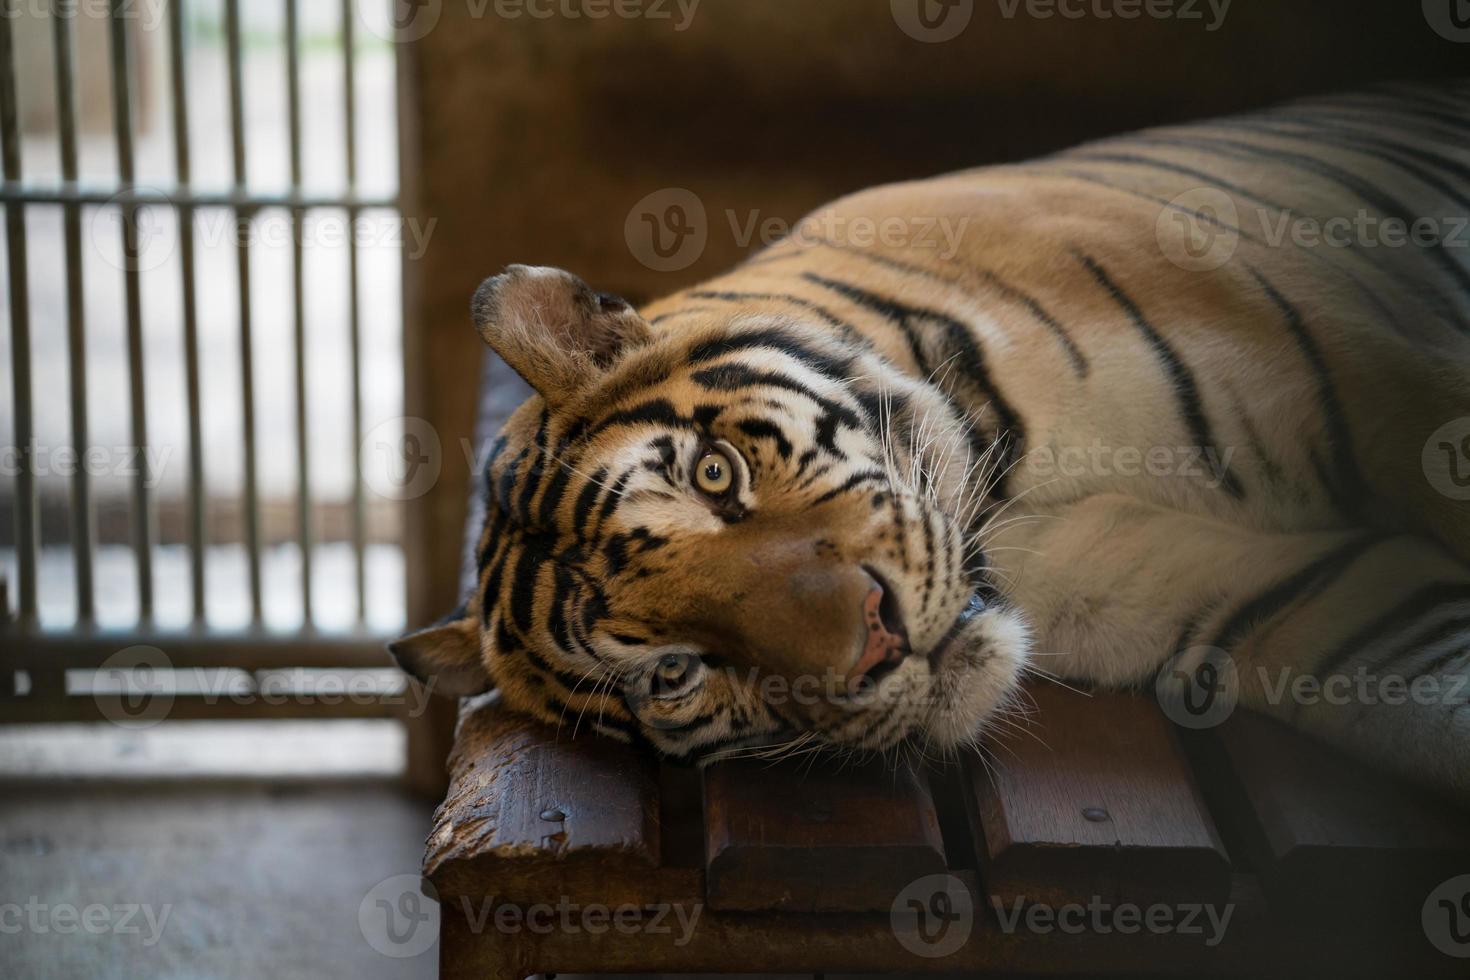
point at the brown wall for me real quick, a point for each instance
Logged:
(529, 140)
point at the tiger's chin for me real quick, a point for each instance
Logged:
(975, 674)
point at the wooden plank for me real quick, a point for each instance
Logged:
(797, 837)
(1328, 836)
(1100, 803)
(852, 943)
(533, 815)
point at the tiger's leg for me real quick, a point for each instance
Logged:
(1362, 640)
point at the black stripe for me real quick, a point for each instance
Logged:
(1385, 151)
(614, 495)
(958, 345)
(523, 588)
(848, 331)
(1421, 603)
(1302, 586)
(1011, 293)
(763, 429)
(890, 310)
(837, 368)
(490, 598)
(1366, 191)
(857, 479)
(1389, 315)
(1180, 378)
(733, 377)
(1447, 631)
(1346, 488)
(659, 411)
(586, 499)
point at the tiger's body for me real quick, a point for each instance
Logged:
(1129, 416)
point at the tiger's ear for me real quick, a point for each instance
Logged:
(446, 657)
(556, 331)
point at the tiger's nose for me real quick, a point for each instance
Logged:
(887, 640)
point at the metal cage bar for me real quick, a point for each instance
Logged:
(298, 307)
(62, 13)
(26, 532)
(359, 510)
(244, 216)
(178, 73)
(122, 113)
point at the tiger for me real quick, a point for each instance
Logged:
(1195, 397)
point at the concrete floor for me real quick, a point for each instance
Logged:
(227, 878)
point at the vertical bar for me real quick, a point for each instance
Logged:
(179, 63)
(359, 520)
(298, 307)
(63, 12)
(27, 526)
(123, 120)
(243, 217)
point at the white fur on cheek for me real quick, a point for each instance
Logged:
(977, 681)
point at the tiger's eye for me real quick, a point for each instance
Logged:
(671, 667)
(713, 474)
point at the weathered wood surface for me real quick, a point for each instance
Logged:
(1330, 838)
(1096, 799)
(533, 814)
(794, 836)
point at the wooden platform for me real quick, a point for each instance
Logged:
(1105, 845)
(1103, 842)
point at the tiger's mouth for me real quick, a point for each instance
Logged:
(940, 651)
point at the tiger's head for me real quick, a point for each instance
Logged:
(722, 532)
